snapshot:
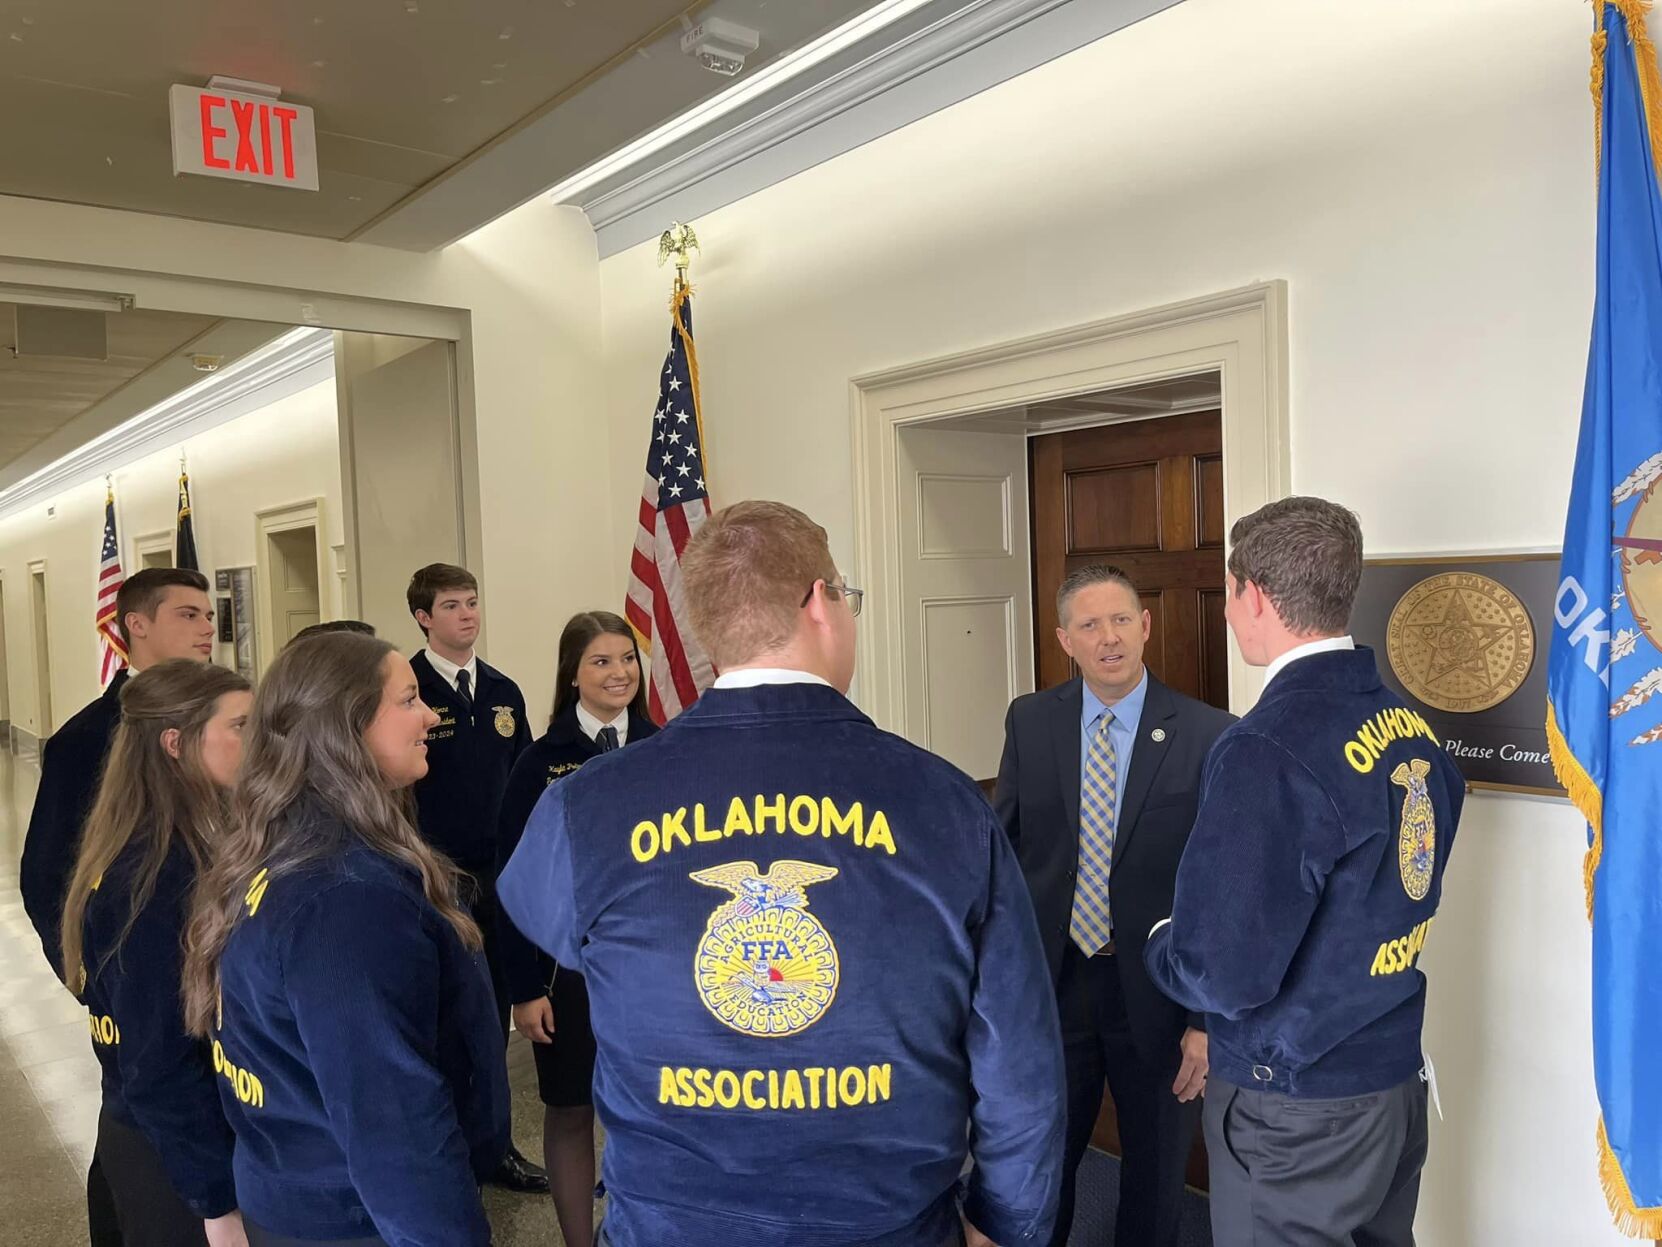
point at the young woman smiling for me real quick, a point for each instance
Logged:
(351, 1014)
(599, 706)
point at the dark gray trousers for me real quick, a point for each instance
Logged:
(1289, 1172)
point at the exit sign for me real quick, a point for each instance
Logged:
(220, 133)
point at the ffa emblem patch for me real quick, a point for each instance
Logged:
(1417, 836)
(504, 720)
(765, 966)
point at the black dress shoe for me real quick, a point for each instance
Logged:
(518, 1174)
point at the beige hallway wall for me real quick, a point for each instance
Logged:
(1421, 174)
(283, 453)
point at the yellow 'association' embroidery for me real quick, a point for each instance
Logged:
(812, 1088)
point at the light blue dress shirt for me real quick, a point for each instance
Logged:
(1122, 731)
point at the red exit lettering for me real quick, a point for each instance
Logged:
(254, 151)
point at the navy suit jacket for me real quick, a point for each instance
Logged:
(71, 762)
(1037, 799)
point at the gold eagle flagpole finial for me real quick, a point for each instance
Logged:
(677, 243)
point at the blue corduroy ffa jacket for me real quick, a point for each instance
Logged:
(815, 982)
(156, 1078)
(1309, 883)
(360, 1058)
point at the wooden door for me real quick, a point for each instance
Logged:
(1146, 496)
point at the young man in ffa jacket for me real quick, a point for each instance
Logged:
(814, 977)
(1097, 791)
(470, 754)
(163, 613)
(1304, 899)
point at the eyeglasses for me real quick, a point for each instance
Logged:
(854, 597)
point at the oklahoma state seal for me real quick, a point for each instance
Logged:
(765, 966)
(1460, 642)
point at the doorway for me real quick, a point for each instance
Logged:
(1146, 496)
(43, 652)
(289, 576)
(154, 550)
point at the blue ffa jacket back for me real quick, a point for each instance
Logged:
(157, 1080)
(360, 1057)
(469, 756)
(1309, 884)
(811, 962)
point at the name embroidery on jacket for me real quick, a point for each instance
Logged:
(1377, 733)
(1395, 956)
(805, 816)
(813, 1087)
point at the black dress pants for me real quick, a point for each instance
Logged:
(103, 1227)
(1315, 1173)
(1156, 1131)
(148, 1209)
(483, 908)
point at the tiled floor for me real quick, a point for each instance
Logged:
(49, 1079)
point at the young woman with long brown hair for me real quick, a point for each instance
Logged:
(599, 706)
(351, 1013)
(161, 808)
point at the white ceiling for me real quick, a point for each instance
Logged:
(406, 92)
(41, 394)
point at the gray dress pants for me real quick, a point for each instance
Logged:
(1289, 1172)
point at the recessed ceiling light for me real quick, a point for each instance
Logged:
(16, 38)
(450, 99)
(489, 82)
(319, 64)
(507, 33)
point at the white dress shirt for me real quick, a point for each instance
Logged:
(591, 726)
(1324, 646)
(447, 671)
(750, 677)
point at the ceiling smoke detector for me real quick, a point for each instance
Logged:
(206, 363)
(720, 45)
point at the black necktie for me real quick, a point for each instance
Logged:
(465, 692)
(606, 738)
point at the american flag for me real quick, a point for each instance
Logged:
(674, 504)
(110, 577)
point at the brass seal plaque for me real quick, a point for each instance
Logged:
(1642, 564)
(1460, 642)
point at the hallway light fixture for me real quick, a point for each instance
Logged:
(78, 300)
(764, 79)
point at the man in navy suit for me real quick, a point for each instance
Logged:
(1097, 791)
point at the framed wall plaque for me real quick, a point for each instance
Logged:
(1463, 640)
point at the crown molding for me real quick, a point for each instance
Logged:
(293, 362)
(943, 53)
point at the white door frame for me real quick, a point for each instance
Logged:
(1241, 334)
(150, 543)
(308, 514)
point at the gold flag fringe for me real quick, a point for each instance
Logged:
(1584, 795)
(1629, 1219)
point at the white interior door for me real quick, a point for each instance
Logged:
(966, 589)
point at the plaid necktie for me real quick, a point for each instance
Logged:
(1092, 926)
